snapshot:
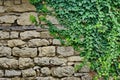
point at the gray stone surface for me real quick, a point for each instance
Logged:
(15, 43)
(65, 51)
(5, 51)
(24, 52)
(28, 73)
(45, 71)
(52, 19)
(47, 51)
(46, 35)
(4, 35)
(71, 78)
(6, 63)
(14, 34)
(25, 63)
(29, 34)
(49, 61)
(63, 71)
(46, 78)
(75, 58)
(56, 42)
(38, 42)
(1, 73)
(12, 73)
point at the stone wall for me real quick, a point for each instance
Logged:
(16, 14)
(30, 53)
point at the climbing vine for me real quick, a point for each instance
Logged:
(91, 24)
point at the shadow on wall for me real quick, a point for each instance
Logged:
(16, 12)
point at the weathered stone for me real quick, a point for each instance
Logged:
(75, 58)
(12, 73)
(46, 34)
(6, 24)
(56, 42)
(5, 51)
(15, 43)
(25, 6)
(14, 34)
(8, 19)
(45, 71)
(5, 79)
(46, 78)
(47, 51)
(24, 52)
(1, 73)
(85, 68)
(63, 71)
(38, 42)
(65, 51)
(52, 19)
(25, 63)
(3, 42)
(16, 78)
(24, 18)
(70, 78)
(8, 63)
(29, 34)
(4, 35)
(28, 73)
(2, 9)
(86, 77)
(49, 61)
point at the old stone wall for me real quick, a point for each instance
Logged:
(30, 53)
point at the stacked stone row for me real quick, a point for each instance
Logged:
(36, 55)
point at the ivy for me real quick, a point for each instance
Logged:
(93, 25)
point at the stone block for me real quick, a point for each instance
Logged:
(56, 42)
(14, 34)
(8, 19)
(12, 73)
(46, 78)
(52, 19)
(65, 51)
(29, 34)
(38, 42)
(71, 78)
(24, 52)
(5, 79)
(6, 63)
(28, 73)
(4, 35)
(46, 34)
(24, 18)
(47, 51)
(45, 71)
(63, 71)
(1, 73)
(5, 51)
(75, 58)
(15, 43)
(25, 63)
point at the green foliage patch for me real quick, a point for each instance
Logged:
(93, 25)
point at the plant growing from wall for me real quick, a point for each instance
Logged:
(97, 22)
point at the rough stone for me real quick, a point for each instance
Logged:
(24, 18)
(38, 42)
(63, 71)
(24, 52)
(4, 35)
(86, 77)
(45, 71)
(2, 9)
(85, 68)
(56, 42)
(47, 51)
(46, 34)
(46, 78)
(75, 58)
(8, 19)
(52, 19)
(49, 61)
(29, 34)
(65, 51)
(8, 63)
(1, 73)
(3, 42)
(28, 73)
(70, 78)
(14, 34)
(5, 51)
(15, 43)
(12, 73)
(5, 79)
(25, 63)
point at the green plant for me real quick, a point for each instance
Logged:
(93, 25)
